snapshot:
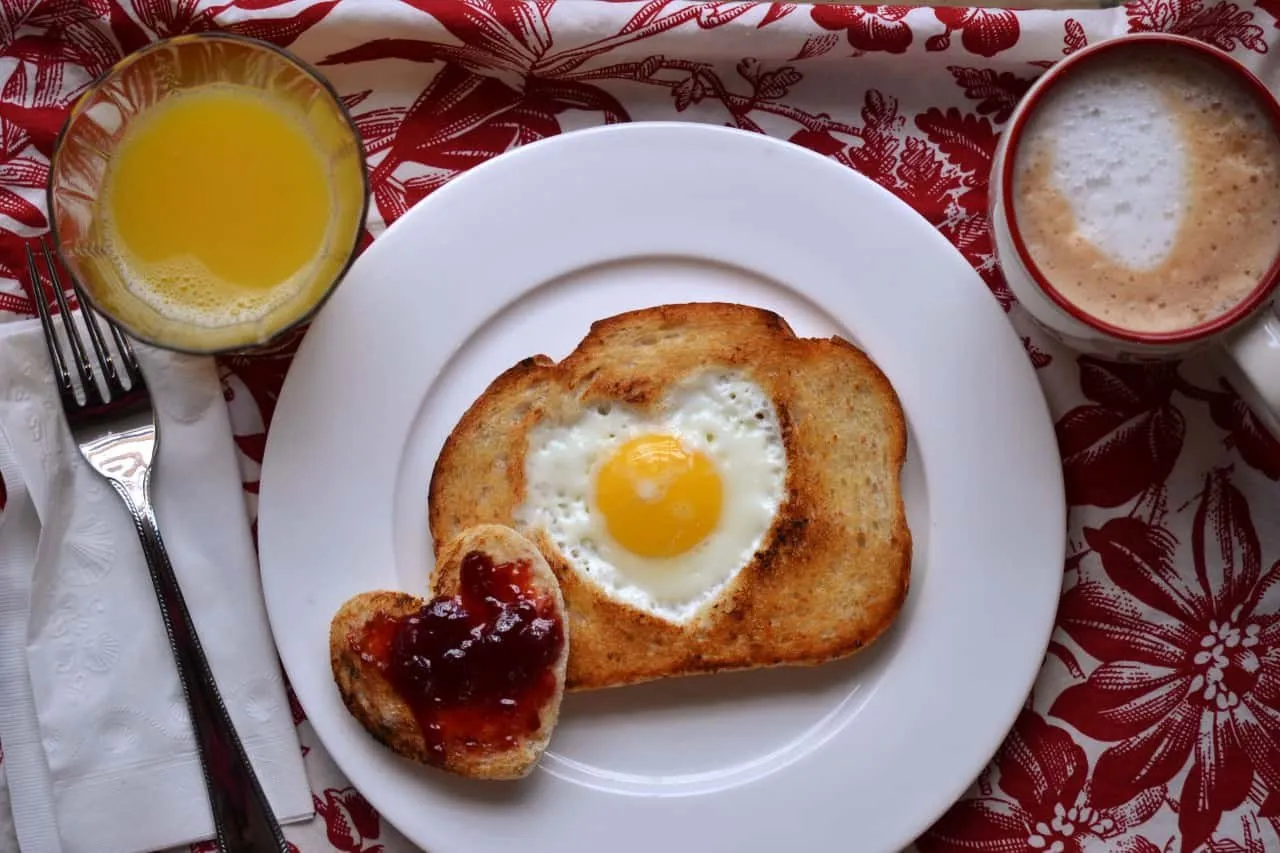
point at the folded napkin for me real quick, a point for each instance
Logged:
(97, 742)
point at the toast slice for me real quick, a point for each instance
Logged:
(478, 749)
(833, 571)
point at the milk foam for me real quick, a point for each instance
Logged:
(1096, 127)
(186, 291)
(1147, 189)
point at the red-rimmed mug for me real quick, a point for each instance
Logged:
(1247, 335)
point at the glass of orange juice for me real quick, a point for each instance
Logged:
(208, 193)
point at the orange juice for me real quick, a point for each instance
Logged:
(209, 192)
(217, 205)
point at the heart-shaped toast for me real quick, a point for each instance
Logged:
(471, 680)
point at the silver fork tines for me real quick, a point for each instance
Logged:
(116, 389)
(114, 426)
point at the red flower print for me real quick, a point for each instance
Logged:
(23, 170)
(777, 11)
(498, 36)
(1200, 681)
(349, 820)
(1045, 803)
(968, 142)
(1245, 836)
(942, 175)
(513, 35)
(454, 124)
(1245, 433)
(462, 119)
(62, 44)
(154, 19)
(868, 28)
(263, 374)
(909, 167)
(161, 18)
(817, 45)
(377, 127)
(510, 29)
(996, 93)
(1223, 25)
(1074, 37)
(985, 32)
(30, 174)
(1127, 440)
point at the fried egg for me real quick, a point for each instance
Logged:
(660, 508)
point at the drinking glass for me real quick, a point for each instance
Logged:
(100, 119)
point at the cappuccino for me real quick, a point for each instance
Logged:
(1147, 189)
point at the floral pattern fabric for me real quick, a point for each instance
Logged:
(1155, 724)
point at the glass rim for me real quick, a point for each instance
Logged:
(113, 73)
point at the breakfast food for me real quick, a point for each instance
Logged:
(711, 491)
(682, 498)
(471, 680)
(1147, 188)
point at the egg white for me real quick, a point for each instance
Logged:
(721, 414)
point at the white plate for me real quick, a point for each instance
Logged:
(517, 257)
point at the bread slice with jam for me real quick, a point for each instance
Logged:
(471, 680)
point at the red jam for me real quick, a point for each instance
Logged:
(474, 667)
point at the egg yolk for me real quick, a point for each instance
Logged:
(658, 498)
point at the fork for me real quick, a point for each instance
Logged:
(118, 436)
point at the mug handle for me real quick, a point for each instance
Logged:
(1255, 356)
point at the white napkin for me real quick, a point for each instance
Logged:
(98, 746)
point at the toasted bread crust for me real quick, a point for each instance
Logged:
(368, 696)
(375, 704)
(834, 569)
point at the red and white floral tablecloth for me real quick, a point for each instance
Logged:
(1155, 725)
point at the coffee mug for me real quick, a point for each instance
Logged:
(1242, 328)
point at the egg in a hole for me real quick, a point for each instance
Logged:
(663, 508)
(711, 491)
